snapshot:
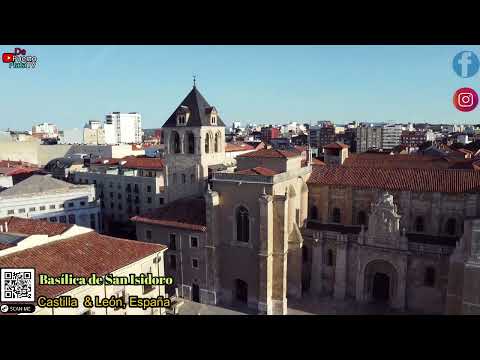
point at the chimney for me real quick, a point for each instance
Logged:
(6, 226)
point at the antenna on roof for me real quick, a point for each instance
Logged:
(194, 80)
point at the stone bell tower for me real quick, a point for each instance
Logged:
(194, 137)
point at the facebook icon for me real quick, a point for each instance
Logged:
(466, 64)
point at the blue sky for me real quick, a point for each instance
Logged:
(261, 84)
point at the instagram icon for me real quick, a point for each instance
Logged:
(465, 99)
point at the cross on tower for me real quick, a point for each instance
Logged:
(194, 80)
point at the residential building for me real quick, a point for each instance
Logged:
(45, 131)
(94, 133)
(391, 135)
(368, 136)
(43, 197)
(413, 139)
(322, 135)
(125, 187)
(269, 133)
(50, 248)
(71, 136)
(123, 128)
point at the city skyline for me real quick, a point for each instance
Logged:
(250, 84)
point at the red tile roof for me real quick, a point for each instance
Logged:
(187, 213)
(336, 146)
(33, 227)
(107, 161)
(144, 163)
(230, 147)
(80, 255)
(270, 153)
(259, 170)
(17, 170)
(382, 160)
(398, 179)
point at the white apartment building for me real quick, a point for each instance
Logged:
(123, 128)
(46, 198)
(391, 135)
(48, 130)
(126, 187)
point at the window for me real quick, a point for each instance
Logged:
(362, 218)
(207, 143)
(53, 219)
(21, 211)
(243, 225)
(195, 263)
(121, 295)
(111, 185)
(173, 262)
(194, 242)
(112, 205)
(135, 188)
(176, 142)
(93, 224)
(336, 218)
(150, 174)
(63, 219)
(419, 226)
(149, 234)
(173, 242)
(329, 257)
(71, 219)
(217, 142)
(149, 200)
(149, 188)
(184, 179)
(429, 277)
(119, 196)
(61, 206)
(70, 205)
(192, 178)
(120, 207)
(191, 143)
(313, 213)
(161, 201)
(82, 203)
(52, 207)
(10, 212)
(42, 208)
(147, 288)
(32, 209)
(451, 227)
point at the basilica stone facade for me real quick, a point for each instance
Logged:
(276, 227)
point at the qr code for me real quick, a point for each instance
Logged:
(17, 285)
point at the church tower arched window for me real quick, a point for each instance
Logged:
(191, 143)
(419, 224)
(243, 224)
(175, 142)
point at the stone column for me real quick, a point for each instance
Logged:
(265, 255)
(317, 263)
(280, 248)
(341, 268)
(212, 200)
(400, 298)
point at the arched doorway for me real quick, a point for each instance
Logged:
(381, 288)
(380, 282)
(241, 291)
(195, 293)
